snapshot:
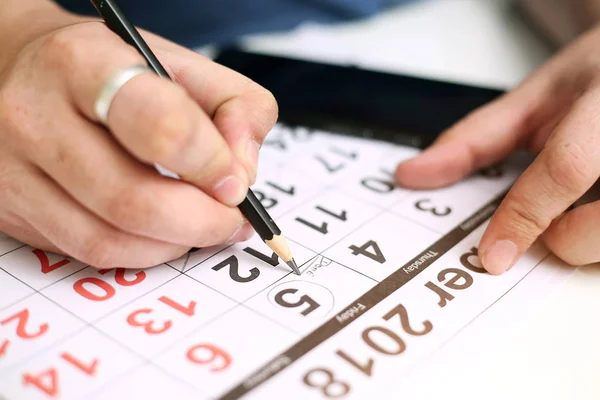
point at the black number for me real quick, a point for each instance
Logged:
(233, 264)
(331, 168)
(376, 255)
(380, 185)
(331, 388)
(334, 168)
(291, 191)
(267, 202)
(272, 260)
(434, 210)
(312, 305)
(322, 228)
(342, 216)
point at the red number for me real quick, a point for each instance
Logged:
(23, 317)
(47, 381)
(89, 370)
(212, 353)
(120, 276)
(4, 347)
(148, 326)
(189, 310)
(109, 291)
(45, 263)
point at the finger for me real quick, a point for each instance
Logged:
(566, 168)
(574, 235)
(155, 120)
(243, 111)
(100, 175)
(22, 231)
(488, 134)
(83, 236)
(172, 130)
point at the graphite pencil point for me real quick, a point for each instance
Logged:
(293, 266)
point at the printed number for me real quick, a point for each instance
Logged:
(209, 354)
(45, 263)
(434, 210)
(342, 216)
(376, 255)
(47, 381)
(233, 263)
(107, 290)
(395, 345)
(331, 168)
(234, 273)
(267, 202)
(380, 185)
(270, 202)
(330, 387)
(312, 305)
(22, 317)
(149, 325)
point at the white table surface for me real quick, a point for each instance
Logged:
(553, 350)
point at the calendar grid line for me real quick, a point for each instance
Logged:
(370, 298)
(291, 198)
(460, 330)
(208, 258)
(10, 251)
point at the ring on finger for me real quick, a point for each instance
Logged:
(111, 88)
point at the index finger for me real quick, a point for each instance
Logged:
(564, 170)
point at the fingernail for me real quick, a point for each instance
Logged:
(243, 233)
(500, 256)
(252, 150)
(230, 191)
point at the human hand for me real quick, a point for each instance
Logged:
(70, 186)
(555, 114)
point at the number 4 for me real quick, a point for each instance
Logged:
(376, 255)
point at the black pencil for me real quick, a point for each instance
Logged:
(252, 209)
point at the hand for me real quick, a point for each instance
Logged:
(70, 186)
(555, 114)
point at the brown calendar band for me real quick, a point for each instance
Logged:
(371, 298)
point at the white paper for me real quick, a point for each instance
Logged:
(232, 321)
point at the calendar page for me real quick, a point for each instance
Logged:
(388, 276)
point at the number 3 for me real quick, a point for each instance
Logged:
(434, 210)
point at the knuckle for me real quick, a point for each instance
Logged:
(62, 48)
(131, 210)
(525, 218)
(568, 169)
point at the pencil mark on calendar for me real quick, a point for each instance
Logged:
(374, 296)
(315, 264)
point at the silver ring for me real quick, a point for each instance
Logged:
(110, 89)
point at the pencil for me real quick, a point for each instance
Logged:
(251, 208)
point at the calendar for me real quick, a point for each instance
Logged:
(388, 276)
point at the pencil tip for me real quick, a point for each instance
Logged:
(294, 266)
